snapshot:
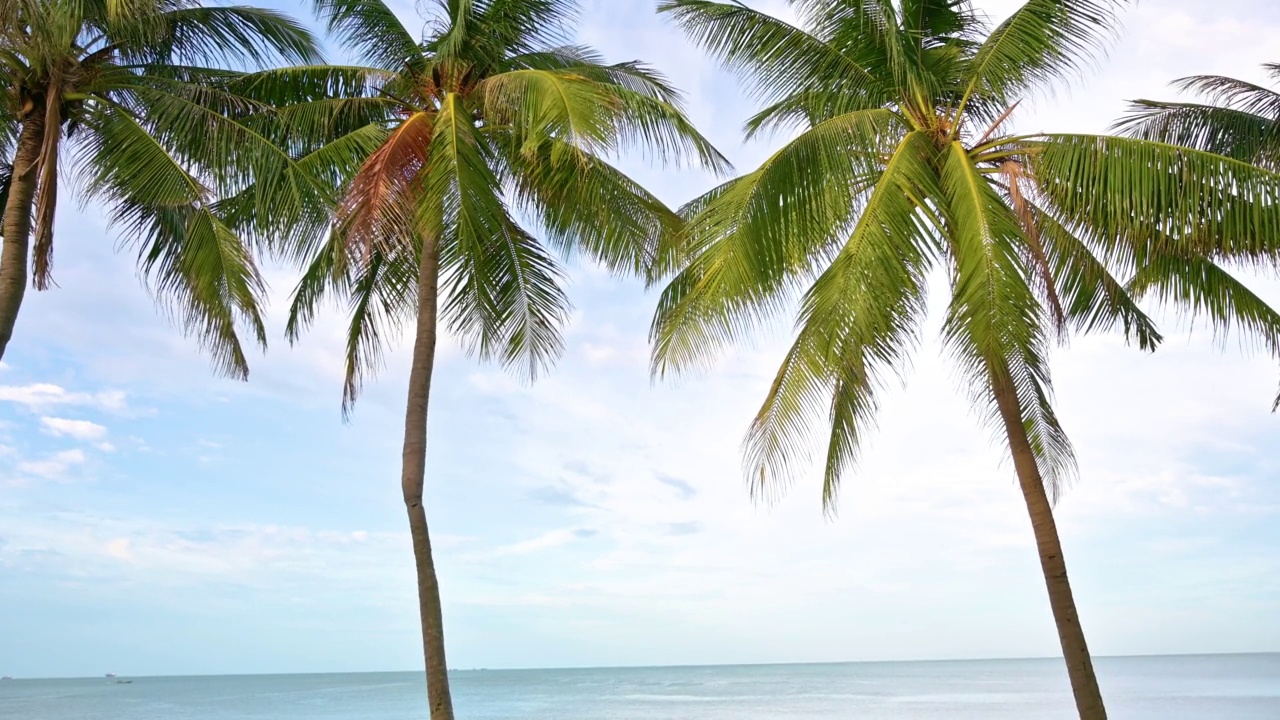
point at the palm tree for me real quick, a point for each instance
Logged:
(127, 100)
(490, 123)
(902, 166)
(1240, 120)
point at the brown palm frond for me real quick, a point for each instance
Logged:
(47, 193)
(995, 125)
(377, 208)
(1013, 173)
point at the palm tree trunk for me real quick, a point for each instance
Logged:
(17, 224)
(412, 475)
(1084, 684)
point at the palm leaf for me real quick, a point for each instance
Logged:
(587, 206)
(994, 325)
(1042, 41)
(373, 32)
(200, 35)
(1201, 288)
(202, 274)
(856, 324)
(1234, 133)
(1133, 195)
(753, 240)
(504, 294)
(775, 57)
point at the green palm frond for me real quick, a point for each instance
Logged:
(203, 35)
(130, 164)
(280, 87)
(514, 27)
(202, 274)
(1241, 120)
(382, 299)
(546, 104)
(773, 56)
(1040, 43)
(857, 323)
(371, 30)
(1238, 94)
(753, 240)
(1093, 299)
(587, 206)
(1202, 288)
(1131, 193)
(635, 76)
(1234, 133)
(995, 324)
(505, 296)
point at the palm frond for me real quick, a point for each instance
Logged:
(774, 57)
(504, 291)
(201, 35)
(857, 323)
(1224, 131)
(1202, 288)
(202, 274)
(635, 76)
(587, 206)
(1233, 93)
(1040, 43)
(1093, 299)
(371, 30)
(382, 298)
(995, 324)
(1132, 195)
(752, 241)
(513, 27)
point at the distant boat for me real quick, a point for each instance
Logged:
(6, 677)
(111, 675)
(124, 682)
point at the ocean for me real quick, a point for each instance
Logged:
(1200, 687)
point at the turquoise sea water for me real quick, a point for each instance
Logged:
(1208, 687)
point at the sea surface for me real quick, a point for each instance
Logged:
(1200, 687)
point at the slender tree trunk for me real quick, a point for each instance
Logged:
(411, 481)
(17, 224)
(1084, 684)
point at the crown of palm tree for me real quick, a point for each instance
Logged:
(902, 164)
(130, 102)
(493, 137)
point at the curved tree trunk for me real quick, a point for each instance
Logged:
(411, 481)
(1084, 684)
(17, 224)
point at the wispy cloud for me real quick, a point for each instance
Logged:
(44, 395)
(545, 541)
(54, 467)
(682, 487)
(78, 429)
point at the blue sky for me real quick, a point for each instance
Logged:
(157, 520)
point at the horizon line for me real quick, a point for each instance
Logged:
(677, 666)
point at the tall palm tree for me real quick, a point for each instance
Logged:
(491, 125)
(126, 99)
(1239, 119)
(902, 165)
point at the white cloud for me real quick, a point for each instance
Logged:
(42, 395)
(78, 429)
(545, 541)
(55, 467)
